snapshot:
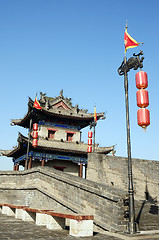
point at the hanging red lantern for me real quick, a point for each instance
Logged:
(89, 149)
(141, 80)
(35, 143)
(143, 117)
(143, 114)
(35, 127)
(89, 141)
(35, 134)
(142, 98)
(90, 134)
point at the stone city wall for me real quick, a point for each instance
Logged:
(113, 171)
(47, 188)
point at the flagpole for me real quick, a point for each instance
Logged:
(94, 128)
(94, 137)
(131, 225)
(37, 106)
(27, 155)
(94, 124)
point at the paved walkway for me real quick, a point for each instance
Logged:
(15, 229)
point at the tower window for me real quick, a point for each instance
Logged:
(70, 137)
(51, 134)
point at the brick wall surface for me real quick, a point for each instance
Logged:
(113, 171)
(101, 194)
(47, 188)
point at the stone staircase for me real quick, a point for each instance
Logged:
(46, 188)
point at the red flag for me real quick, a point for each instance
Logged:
(129, 42)
(95, 115)
(37, 104)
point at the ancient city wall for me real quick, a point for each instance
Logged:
(113, 171)
(47, 188)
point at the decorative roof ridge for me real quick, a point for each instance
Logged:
(18, 121)
(11, 151)
(61, 111)
(51, 102)
(30, 103)
(105, 149)
(98, 149)
(4, 152)
(21, 138)
(14, 149)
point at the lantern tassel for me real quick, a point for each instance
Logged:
(144, 128)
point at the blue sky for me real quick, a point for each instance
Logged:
(77, 46)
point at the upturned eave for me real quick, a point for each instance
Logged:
(83, 119)
(53, 145)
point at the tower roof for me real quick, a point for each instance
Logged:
(60, 108)
(51, 146)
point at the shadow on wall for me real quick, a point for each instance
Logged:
(152, 205)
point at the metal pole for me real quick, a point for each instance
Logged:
(132, 224)
(27, 155)
(94, 139)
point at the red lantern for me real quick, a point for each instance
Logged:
(141, 80)
(35, 134)
(89, 149)
(142, 98)
(35, 127)
(89, 141)
(143, 117)
(35, 143)
(90, 134)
